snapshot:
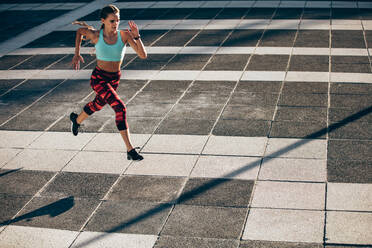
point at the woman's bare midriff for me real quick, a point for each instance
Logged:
(110, 66)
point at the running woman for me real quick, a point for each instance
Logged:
(110, 44)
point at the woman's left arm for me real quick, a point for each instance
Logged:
(133, 37)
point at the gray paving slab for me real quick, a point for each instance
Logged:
(349, 171)
(193, 242)
(351, 150)
(358, 130)
(309, 63)
(247, 128)
(294, 129)
(305, 100)
(247, 112)
(205, 222)
(251, 86)
(268, 62)
(348, 88)
(349, 197)
(10, 205)
(185, 126)
(301, 114)
(268, 244)
(305, 88)
(7, 154)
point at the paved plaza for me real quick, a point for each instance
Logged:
(254, 119)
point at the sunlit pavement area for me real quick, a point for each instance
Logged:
(254, 118)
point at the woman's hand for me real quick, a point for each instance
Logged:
(76, 61)
(133, 31)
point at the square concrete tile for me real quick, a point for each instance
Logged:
(18, 182)
(305, 88)
(293, 129)
(196, 111)
(207, 222)
(248, 112)
(348, 228)
(350, 150)
(147, 188)
(84, 185)
(296, 76)
(349, 197)
(129, 217)
(163, 165)
(352, 130)
(278, 244)
(53, 212)
(6, 154)
(258, 86)
(217, 192)
(100, 239)
(98, 162)
(284, 225)
(178, 126)
(10, 205)
(193, 242)
(296, 148)
(30, 237)
(349, 171)
(113, 142)
(289, 195)
(192, 144)
(301, 114)
(244, 146)
(244, 168)
(306, 100)
(45, 160)
(287, 169)
(21, 139)
(62, 140)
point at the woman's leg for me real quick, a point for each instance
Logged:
(126, 137)
(82, 116)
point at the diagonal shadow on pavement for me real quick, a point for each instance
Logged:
(216, 182)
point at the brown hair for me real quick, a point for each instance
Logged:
(109, 9)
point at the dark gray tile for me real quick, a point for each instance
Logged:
(350, 60)
(212, 86)
(351, 88)
(9, 110)
(148, 110)
(353, 130)
(65, 63)
(185, 126)
(316, 13)
(349, 171)
(208, 222)
(67, 213)
(176, 38)
(147, 188)
(236, 112)
(309, 63)
(284, 13)
(149, 36)
(6, 84)
(160, 85)
(268, 62)
(260, 86)
(305, 88)
(293, 129)
(151, 14)
(278, 38)
(144, 65)
(129, 217)
(39, 84)
(217, 192)
(276, 244)
(54, 39)
(82, 185)
(350, 150)
(205, 98)
(178, 13)
(350, 101)
(233, 13)
(10, 205)
(246, 128)
(142, 125)
(254, 98)
(195, 111)
(341, 115)
(236, 62)
(305, 100)
(202, 13)
(192, 242)
(26, 183)
(177, 65)
(155, 97)
(243, 38)
(39, 61)
(345, 13)
(209, 38)
(21, 96)
(8, 61)
(354, 68)
(69, 91)
(129, 86)
(312, 38)
(348, 39)
(301, 114)
(260, 13)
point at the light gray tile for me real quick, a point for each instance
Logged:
(30, 237)
(349, 228)
(113, 142)
(349, 196)
(176, 144)
(163, 165)
(284, 225)
(62, 140)
(98, 162)
(7, 154)
(45, 160)
(227, 167)
(289, 195)
(10, 139)
(296, 148)
(243, 146)
(100, 239)
(288, 169)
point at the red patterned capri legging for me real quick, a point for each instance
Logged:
(105, 84)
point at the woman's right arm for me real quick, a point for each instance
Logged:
(90, 35)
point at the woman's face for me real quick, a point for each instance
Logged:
(111, 22)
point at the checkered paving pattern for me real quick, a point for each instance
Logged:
(254, 118)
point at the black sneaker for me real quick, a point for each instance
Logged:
(74, 125)
(133, 155)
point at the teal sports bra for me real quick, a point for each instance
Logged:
(107, 52)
